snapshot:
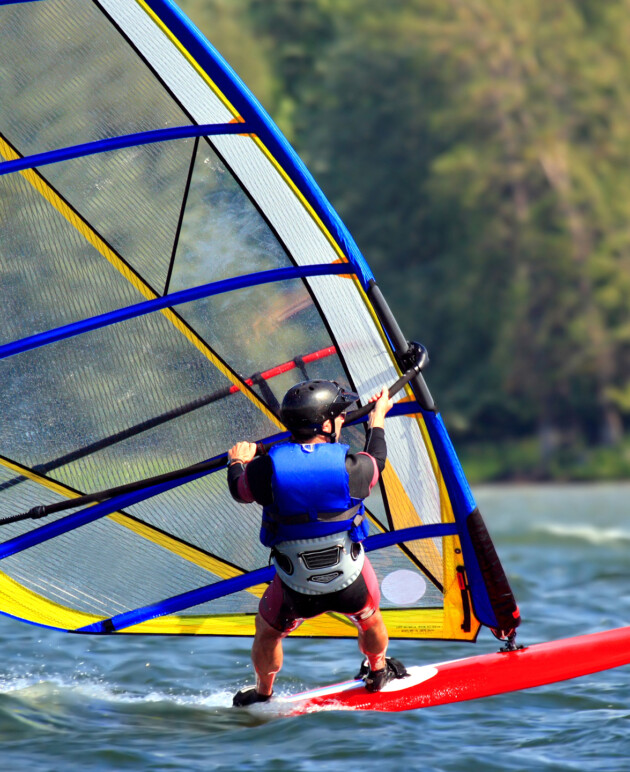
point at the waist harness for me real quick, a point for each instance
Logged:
(319, 566)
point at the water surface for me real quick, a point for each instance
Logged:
(149, 703)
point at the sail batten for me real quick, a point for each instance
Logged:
(168, 301)
(118, 143)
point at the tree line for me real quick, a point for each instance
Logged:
(478, 152)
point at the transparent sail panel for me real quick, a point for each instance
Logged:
(119, 404)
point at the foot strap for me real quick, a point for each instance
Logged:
(375, 680)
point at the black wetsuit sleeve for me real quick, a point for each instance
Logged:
(376, 446)
(361, 466)
(258, 474)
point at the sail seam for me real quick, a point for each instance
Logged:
(182, 213)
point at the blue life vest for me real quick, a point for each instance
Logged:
(311, 495)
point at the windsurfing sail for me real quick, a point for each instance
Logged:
(169, 269)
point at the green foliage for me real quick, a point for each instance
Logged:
(519, 459)
(478, 152)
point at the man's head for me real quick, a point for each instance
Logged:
(313, 408)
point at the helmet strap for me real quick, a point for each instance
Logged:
(330, 436)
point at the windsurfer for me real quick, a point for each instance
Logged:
(312, 492)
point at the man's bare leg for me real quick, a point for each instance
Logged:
(373, 640)
(267, 655)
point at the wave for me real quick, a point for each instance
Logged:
(30, 707)
(60, 690)
(586, 533)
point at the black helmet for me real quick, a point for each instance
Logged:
(307, 405)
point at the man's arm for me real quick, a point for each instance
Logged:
(383, 404)
(249, 477)
(364, 468)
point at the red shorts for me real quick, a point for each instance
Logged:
(285, 609)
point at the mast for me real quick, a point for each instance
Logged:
(482, 575)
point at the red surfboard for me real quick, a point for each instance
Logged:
(474, 677)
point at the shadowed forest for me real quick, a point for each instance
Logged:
(478, 151)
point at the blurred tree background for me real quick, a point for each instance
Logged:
(478, 151)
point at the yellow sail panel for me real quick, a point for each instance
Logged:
(19, 602)
(404, 515)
